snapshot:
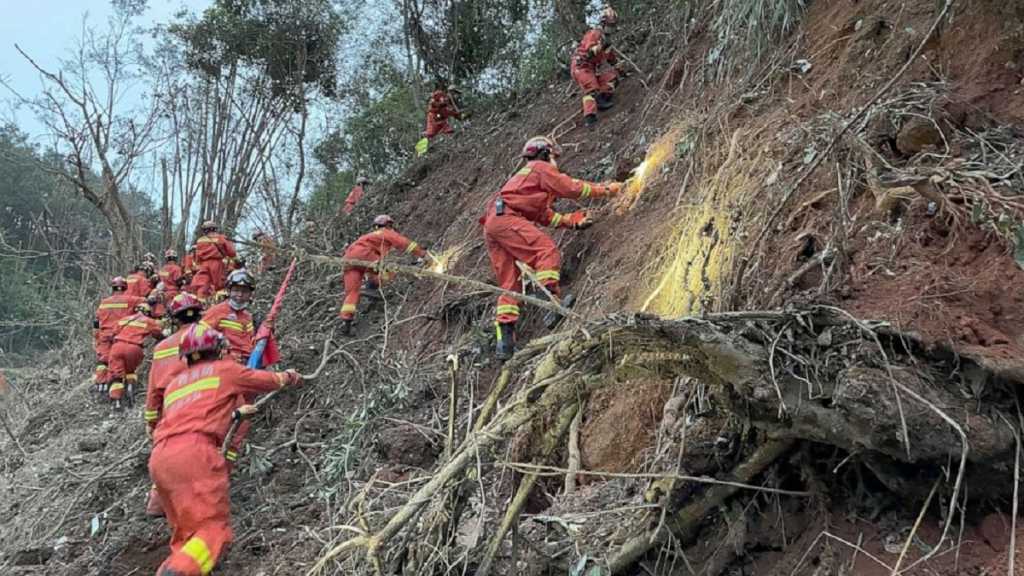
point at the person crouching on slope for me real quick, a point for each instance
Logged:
(186, 465)
(511, 233)
(371, 247)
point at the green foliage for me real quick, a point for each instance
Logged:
(290, 42)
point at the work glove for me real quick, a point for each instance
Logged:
(577, 221)
(294, 378)
(615, 188)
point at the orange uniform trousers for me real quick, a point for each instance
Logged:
(592, 82)
(209, 279)
(102, 343)
(353, 280)
(125, 359)
(510, 238)
(191, 479)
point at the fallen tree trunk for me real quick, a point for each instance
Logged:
(800, 376)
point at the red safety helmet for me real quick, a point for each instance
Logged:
(383, 220)
(539, 146)
(200, 338)
(118, 283)
(184, 302)
(208, 226)
(170, 254)
(241, 278)
(609, 17)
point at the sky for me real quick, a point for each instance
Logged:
(45, 30)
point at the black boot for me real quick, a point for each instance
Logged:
(371, 290)
(505, 346)
(589, 120)
(552, 318)
(604, 101)
(346, 327)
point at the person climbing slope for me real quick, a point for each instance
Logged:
(214, 253)
(232, 317)
(126, 353)
(110, 311)
(440, 108)
(185, 310)
(511, 234)
(170, 275)
(139, 280)
(371, 247)
(587, 67)
(355, 195)
(186, 465)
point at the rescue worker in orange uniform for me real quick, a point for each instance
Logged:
(592, 53)
(184, 310)
(511, 234)
(268, 251)
(371, 247)
(355, 195)
(440, 108)
(139, 280)
(126, 353)
(186, 465)
(214, 252)
(111, 310)
(232, 317)
(170, 275)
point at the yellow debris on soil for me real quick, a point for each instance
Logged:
(698, 260)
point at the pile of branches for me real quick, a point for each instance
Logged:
(812, 377)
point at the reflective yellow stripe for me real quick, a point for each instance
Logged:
(133, 280)
(231, 325)
(211, 383)
(231, 455)
(137, 324)
(150, 415)
(524, 171)
(165, 353)
(412, 247)
(589, 97)
(114, 306)
(116, 386)
(587, 190)
(548, 275)
(556, 220)
(131, 378)
(508, 309)
(497, 331)
(101, 367)
(197, 550)
(205, 240)
(348, 308)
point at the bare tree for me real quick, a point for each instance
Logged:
(81, 106)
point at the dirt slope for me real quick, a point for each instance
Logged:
(730, 142)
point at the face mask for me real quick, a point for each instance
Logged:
(236, 305)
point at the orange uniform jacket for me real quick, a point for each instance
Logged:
(531, 192)
(188, 265)
(166, 365)
(353, 198)
(237, 327)
(589, 54)
(135, 328)
(138, 285)
(374, 246)
(214, 246)
(114, 308)
(170, 275)
(441, 107)
(201, 398)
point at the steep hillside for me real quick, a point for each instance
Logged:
(800, 349)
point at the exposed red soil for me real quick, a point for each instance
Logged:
(621, 423)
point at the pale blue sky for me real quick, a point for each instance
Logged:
(46, 29)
